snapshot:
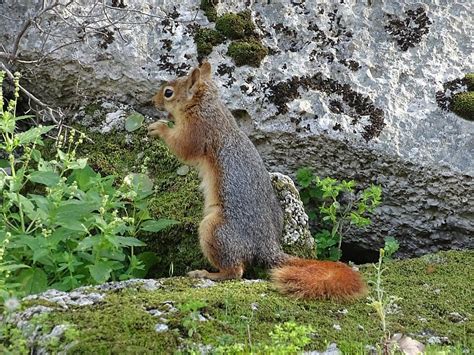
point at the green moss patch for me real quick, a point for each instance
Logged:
(247, 49)
(206, 39)
(436, 302)
(236, 25)
(463, 105)
(247, 52)
(209, 10)
(469, 79)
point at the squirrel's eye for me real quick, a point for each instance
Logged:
(168, 93)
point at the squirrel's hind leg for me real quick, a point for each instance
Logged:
(223, 274)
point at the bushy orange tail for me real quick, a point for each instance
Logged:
(314, 279)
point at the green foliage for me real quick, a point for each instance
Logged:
(209, 10)
(290, 337)
(286, 338)
(193, 314)
(236, 25)
(247, 52)
(336, 206)
(463, 105)
(134, 122)
(62, 225)
(380, 301)
(391, 247)
(206, 39)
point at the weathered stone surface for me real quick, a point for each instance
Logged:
(349, 89)
(296, 232)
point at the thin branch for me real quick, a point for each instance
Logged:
(28, 23)
(27, 93)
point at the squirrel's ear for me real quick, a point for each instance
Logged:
(193, 78)
(206, 70)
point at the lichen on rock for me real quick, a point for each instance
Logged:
(296, 237)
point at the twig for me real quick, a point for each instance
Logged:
(31, 20)
(30, 95)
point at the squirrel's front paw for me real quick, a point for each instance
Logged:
(198, 274)
(156, 128)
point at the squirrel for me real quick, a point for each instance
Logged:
(243, 219)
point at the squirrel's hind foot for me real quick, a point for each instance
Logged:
(226, 274)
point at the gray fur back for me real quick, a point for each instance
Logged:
(252, 214)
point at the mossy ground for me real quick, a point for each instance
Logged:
(432, 288)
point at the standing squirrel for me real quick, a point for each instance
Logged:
(243, 220)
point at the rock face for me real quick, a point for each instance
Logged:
(348, 89)
(296, 232)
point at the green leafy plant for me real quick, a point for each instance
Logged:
(286, 338)
(193, 315)
(62, 225)
(380, 301)
(336, 206)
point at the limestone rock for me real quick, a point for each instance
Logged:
(296, 232)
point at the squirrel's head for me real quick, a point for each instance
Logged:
(177, 95)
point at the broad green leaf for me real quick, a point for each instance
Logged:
(157, 225)
(33, 280)
(33, 134)
(134, 122)
(74, 209)
(18, 118)
(100, 272)
(12, 267)
(73, 224)
(83, 176)
(27, 205)
(129, 242)
(78, 164)
(140, 183)
(88, 243)
(47, 178)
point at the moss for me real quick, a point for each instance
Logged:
(469, 78)
(463, 105)
(206, 39)
(92, 108)
(209, 10)
(247, 52)
(236, 25)
(431, 288)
